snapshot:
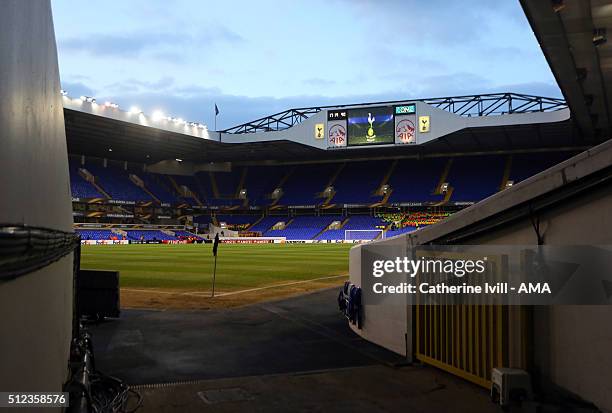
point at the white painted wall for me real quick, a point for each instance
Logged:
(36, 309)
(389, 326)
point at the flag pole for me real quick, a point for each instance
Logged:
(216, 114)
(214, 277)
(214, 251)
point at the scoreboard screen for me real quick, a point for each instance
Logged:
(371, 126)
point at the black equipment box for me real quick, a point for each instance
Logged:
(97, 293)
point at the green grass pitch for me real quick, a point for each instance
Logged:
(239, 266)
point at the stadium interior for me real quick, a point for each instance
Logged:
(306, 201)
(223, 270)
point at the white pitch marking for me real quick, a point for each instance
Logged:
(199, 293)
(279, 285)
(156, 291)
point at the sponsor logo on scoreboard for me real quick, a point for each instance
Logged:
(405, 131)
(424, 124)
(337, 135)
(319, 131)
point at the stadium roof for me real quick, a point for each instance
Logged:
(573, 37)
(94, 135)
(102, 137)
(491, 104)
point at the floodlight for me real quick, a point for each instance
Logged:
(158, 115)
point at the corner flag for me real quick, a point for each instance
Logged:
(216, 244)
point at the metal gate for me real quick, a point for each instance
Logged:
(467, 340)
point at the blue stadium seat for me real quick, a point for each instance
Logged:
(149, 235)
(304, 227)
(356, 222)
(266, 223)
(357, 182)
(95, 234)
(475, 178)
(116, 182)
(79, 187)
(305, 182)
(415, 180)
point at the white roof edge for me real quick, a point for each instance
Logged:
(96, 109)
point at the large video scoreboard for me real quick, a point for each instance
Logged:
(380, 125)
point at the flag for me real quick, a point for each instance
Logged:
(216, 110)
(215, 244)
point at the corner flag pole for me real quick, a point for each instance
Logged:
(214, 276)
(215, 247)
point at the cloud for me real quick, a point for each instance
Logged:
(76, 89)
(546, 89)
(318, 82)
(130, 45)
(133, 85)
(449, 84)
(436, 22)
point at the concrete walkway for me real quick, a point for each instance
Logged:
(295, 354)
(369, 389)
(299, 334)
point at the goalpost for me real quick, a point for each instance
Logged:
(354, 235)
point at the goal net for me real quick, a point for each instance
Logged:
(356, 235)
